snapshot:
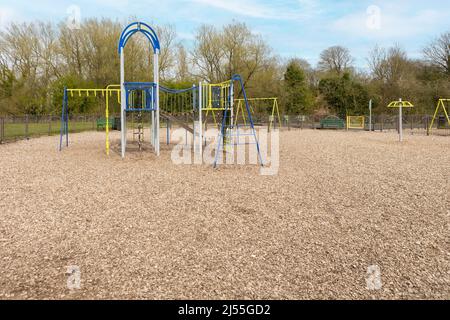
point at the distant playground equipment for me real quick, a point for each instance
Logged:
(356, 122)
(196, 102)
(262, 106)
(232, 131)
(400, 104)
(441, 119)
(332, 122)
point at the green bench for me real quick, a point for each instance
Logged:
(101, 123)
(332, 122)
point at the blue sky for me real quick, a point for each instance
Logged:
(293, 28)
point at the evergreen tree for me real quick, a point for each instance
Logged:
(344, 95)
(299, 98)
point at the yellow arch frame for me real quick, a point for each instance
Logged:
(441, 103)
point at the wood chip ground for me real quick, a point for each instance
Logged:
(144, 228)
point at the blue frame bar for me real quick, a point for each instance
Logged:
(64, 121)
(135, 27)
(222, 132)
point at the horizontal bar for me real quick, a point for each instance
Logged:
(256, 99)
(136, 110)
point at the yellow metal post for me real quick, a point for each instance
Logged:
(114, 88)
(107, 124)
(439, 105)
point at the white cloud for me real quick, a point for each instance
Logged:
(115, 4)
(310, 7)
(254, 9)
(394, 24)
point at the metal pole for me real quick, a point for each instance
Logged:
(200, 119)
(168, 131)
(186, 132)
(2, 130)
(63, 119)
(123, 102)
(153, 128)
(156, 80)
(132, 124)
(26, 126)
(370, 115)
(107, 123)
(400, 120)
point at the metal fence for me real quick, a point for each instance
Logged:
(23, 127)
(415, 124)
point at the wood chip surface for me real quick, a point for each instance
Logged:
(144, 228)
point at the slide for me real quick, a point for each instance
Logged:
(171, 118)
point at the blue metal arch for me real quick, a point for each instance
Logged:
(135, 27)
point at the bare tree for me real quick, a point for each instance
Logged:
(182, 70)
(208, 54)
(167, 37)
(70, 50)
(388, 65)
(244, 53)
(335, 59)
(219, 54)
(18, 44)
(438, 53)
(377, 62)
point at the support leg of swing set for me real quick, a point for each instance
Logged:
(440, 103)
(272, 119)
(107, 123)
(240, 109)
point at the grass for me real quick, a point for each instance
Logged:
(18, 130)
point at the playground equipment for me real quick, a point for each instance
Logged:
(214, 100)
(356, 122)
(231, 130)
(440, 104)
(182, 103)
(262, 106)
(400, 105)
(161, 102)
(105, 93)
(150, 91)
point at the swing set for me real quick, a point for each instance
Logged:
(441, 104)
(260, 106)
